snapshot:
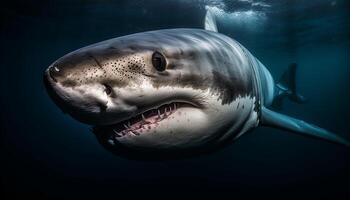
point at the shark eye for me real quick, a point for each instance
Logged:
(108, 89)
(158, 61)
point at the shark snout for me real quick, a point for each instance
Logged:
(88, 103)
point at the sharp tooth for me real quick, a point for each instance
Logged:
(158, 113)
(135, 132)
(174, 106)
(170, 108)
(126, 126)
(165, 115)
(129, 123)
(117, 133)
(144, 120)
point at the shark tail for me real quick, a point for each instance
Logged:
(286, 88)
(273, 119)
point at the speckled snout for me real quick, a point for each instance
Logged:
(85, 83)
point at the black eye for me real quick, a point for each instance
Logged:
(108, 89)
(158, 61)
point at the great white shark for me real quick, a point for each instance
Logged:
(173, 91)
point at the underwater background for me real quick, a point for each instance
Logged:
(46, 153)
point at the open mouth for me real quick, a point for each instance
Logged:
(144, 122)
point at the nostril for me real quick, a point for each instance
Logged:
(55, 68)
(108, 89)
(54, 71)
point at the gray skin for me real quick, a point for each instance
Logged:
(211, 91)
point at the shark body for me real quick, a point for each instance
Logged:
(173, 90)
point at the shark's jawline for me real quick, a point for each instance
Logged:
(142, 120)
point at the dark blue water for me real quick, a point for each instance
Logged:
(46, 153)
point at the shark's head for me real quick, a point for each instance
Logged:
(148, 91)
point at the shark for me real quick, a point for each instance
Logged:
(173, 92)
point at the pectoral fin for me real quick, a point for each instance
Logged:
(277, 120)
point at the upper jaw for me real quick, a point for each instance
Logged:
(143, 118)
(148, 104)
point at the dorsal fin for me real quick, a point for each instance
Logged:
(286, 87)
(210, 22)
